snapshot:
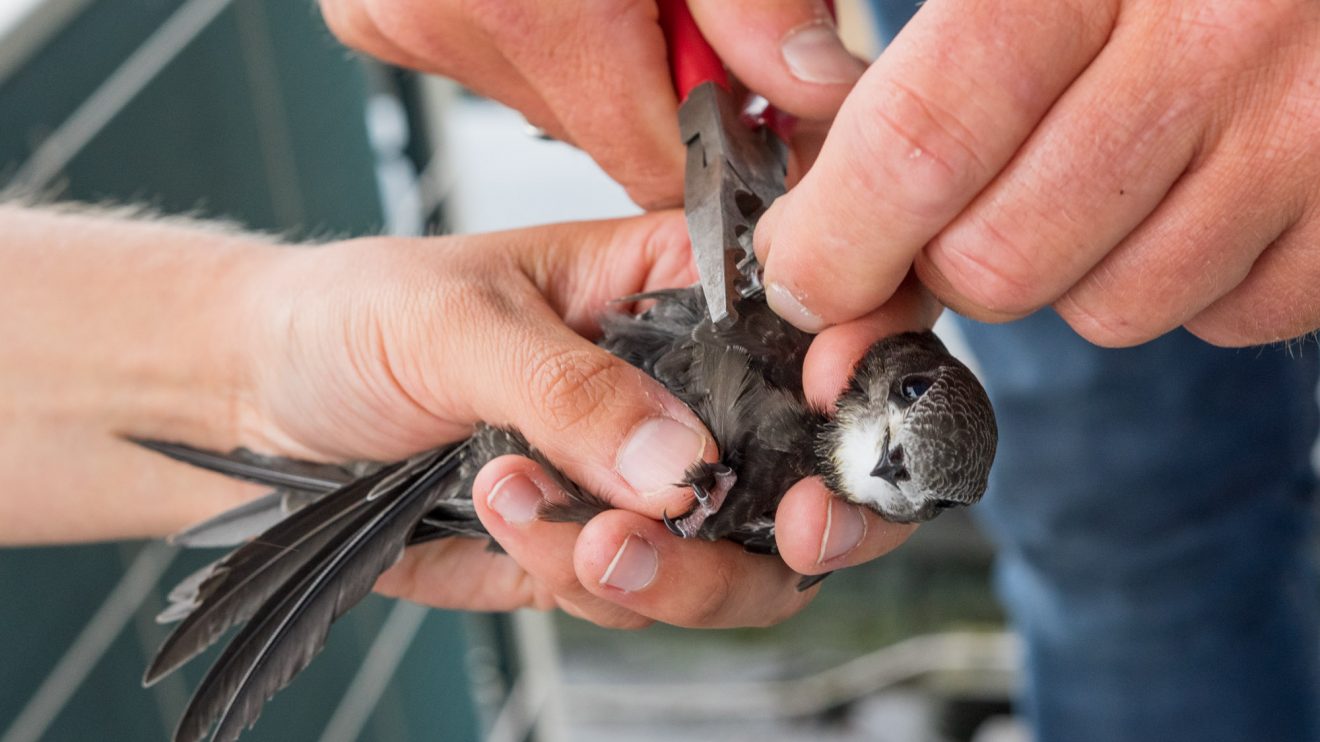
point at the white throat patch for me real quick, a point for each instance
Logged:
(858, 452)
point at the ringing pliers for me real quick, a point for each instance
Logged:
(736, 161)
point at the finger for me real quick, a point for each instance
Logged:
(635, 562)
(1276, 301)
(788, 51)
(447, 333)
(1096, 167)
(927, 127)
(834, 353)
(595, 616)
(508, 494)
(350, 22)
(462, 574)
(606, 79)
(440, 38)
(1196, 247)
(607, 425)
(808, 138)
(583, 269)
(818, 532)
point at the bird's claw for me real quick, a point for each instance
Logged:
(806, 582)
(710, 485)
(672, 525)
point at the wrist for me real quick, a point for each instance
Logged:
(112, 326)
(195, 377)
(135, 327)
(314, 377)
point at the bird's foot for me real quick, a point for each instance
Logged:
(710, 484)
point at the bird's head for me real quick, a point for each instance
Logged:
(913, 434)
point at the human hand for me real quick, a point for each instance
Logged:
(1138, 166)
(596, 74)
(373, 348)
(381, 347)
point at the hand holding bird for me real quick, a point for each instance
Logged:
(913, 435)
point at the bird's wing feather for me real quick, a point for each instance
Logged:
(242, 464)
(236, 525)
(290, 628)
(238, 584)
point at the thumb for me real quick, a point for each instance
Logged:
(788, 51)
(605, 424)
(839, 244)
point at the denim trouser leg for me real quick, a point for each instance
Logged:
(1152, 507)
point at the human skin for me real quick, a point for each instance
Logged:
(376, 348)
(1138, 166)
(596, 73)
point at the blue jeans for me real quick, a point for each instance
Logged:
(1153, 512)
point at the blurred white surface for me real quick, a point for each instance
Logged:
(503, 178)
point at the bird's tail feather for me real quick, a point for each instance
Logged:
(273, 471)
(237, 585)
(292, 581)
(290, 627)
(236, 525)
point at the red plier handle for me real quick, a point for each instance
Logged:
(736, 160)
(692, 60)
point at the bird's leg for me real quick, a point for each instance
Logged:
(710, 484)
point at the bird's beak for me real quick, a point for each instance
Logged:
(890, 467)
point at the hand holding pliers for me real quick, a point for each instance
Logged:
(736, 161)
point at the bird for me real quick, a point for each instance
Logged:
(913, 434)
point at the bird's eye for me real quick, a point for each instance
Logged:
(945, 504)
(912, 387)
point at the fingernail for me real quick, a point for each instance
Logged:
(516, 499)
(658, 453)
(783, 303)
(845, 527)
(814, 53)
(633, 566)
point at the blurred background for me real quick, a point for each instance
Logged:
(251, 111)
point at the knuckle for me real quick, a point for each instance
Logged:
(1102, 325)
(570, 386)
(1215, 331)
(1228, 33)
(989, 269)
(937, 163)
(1270, 312)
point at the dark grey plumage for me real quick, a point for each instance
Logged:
(914, 433)
(292, 580)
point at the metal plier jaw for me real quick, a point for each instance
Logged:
(735, 170)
